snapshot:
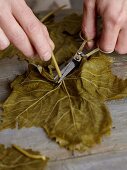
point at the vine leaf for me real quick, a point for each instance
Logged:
(72, 112)
(11, 158)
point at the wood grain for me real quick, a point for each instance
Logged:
(110, 154)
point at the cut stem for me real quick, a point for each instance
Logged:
(56, 66)
(28, 154)
(92, 52)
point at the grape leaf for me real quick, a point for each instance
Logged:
(11, 158)
(72, 112)
(102, 84)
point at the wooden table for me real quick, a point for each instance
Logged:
(111, 154)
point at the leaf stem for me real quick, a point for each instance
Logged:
(52, 12)
(92, 52)
(56, 65)
(28, 154)
(53, 57)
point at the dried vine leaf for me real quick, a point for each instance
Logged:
(9, 52)
(73, 112)
(102, 84)
(11, 158)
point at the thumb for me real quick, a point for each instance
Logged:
(89, 21)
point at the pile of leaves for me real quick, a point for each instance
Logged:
(72, 112)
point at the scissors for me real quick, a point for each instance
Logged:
(75, 61)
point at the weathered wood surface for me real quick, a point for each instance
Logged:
(111, 154)
(44, 5)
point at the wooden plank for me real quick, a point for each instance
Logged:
(9, 69)
(109, 154)
(106, 161)
(36, 138)
(44, 5)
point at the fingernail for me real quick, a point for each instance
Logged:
(30, 53)
(52, 45)
(46, 56)
(4, 44)
(90, 44)
(106, 51)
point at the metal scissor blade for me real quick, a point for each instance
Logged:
(70, 66)
(63, 67)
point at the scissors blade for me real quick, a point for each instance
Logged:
(70, 66)
(75, 61)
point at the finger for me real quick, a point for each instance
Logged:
(108, 37)
(52, 45)
(89, 21)
(121, 45)
(34, 29)
(4, 42)
(16, 34)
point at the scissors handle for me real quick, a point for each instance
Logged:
(76, 60)
(82, 46)
(98, 49)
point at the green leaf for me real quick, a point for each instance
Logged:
(72, 112)
(99, 80)
(11, 158)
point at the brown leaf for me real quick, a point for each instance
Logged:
(73, 112)
(11, 158)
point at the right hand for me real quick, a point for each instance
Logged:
(20, 26)
(114, 21)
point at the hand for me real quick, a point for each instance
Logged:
(19, 26)
(114, 16)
